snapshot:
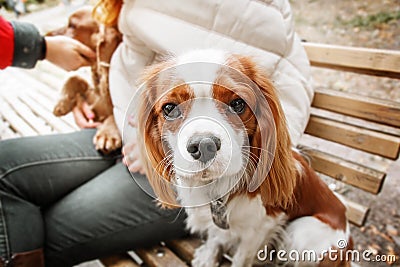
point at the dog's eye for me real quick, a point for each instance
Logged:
(237, 106)
(171, 111)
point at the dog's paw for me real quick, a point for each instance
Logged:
(107, 140)
(205, 257)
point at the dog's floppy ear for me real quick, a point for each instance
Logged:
(109, 40)
(149, 131)
(275, 174)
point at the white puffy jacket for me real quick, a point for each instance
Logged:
(261, 28)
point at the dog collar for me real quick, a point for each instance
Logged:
(218, 212)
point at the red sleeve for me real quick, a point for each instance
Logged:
(6, 43)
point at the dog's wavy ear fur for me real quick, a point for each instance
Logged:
(274, 180)
(149, 131)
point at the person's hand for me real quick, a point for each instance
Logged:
(68, 53)
(84, 116)
(132, 157)
(131, 151)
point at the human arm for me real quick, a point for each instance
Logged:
(6, 43)
(58, 48)
(21, 45)
(127, 64)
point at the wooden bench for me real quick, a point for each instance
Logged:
(27, 98)
(350, 137)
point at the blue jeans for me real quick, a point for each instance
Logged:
(58, 193)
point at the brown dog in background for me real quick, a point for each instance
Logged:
(104, 40)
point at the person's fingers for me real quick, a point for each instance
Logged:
(93, 124)
(85, 51)
(124, 161)
(132, 157)
(124, 150)
(82, 63)
(81, 120)
(128, 148)
(132, 120)
(87, 111)
(135, 166)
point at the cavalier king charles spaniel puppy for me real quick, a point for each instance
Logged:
(215, 141)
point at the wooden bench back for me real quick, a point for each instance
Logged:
(358, 122)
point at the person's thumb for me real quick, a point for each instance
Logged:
(85, 51)
(89, 114)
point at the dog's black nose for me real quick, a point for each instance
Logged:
(203, 147)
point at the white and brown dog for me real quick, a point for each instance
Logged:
(216, 142)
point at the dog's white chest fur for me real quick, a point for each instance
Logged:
(249, 229)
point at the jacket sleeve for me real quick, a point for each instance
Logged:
(21, 44)
(6, 43)
(29, 45)
(127, 63)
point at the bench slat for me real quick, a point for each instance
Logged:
(5, 131)
(184, 248)
(30, 83)
(49, 104)
(48, 79)
(48, 67)
(26, 114)
(42, 100)
(356, 213)
(377, 110)
(370, 125)
(119, 260)
(52, 120)
(94, 263)
(160, 256)
(366, 140)
(345, 171)
(377, 62)
(15, 121)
